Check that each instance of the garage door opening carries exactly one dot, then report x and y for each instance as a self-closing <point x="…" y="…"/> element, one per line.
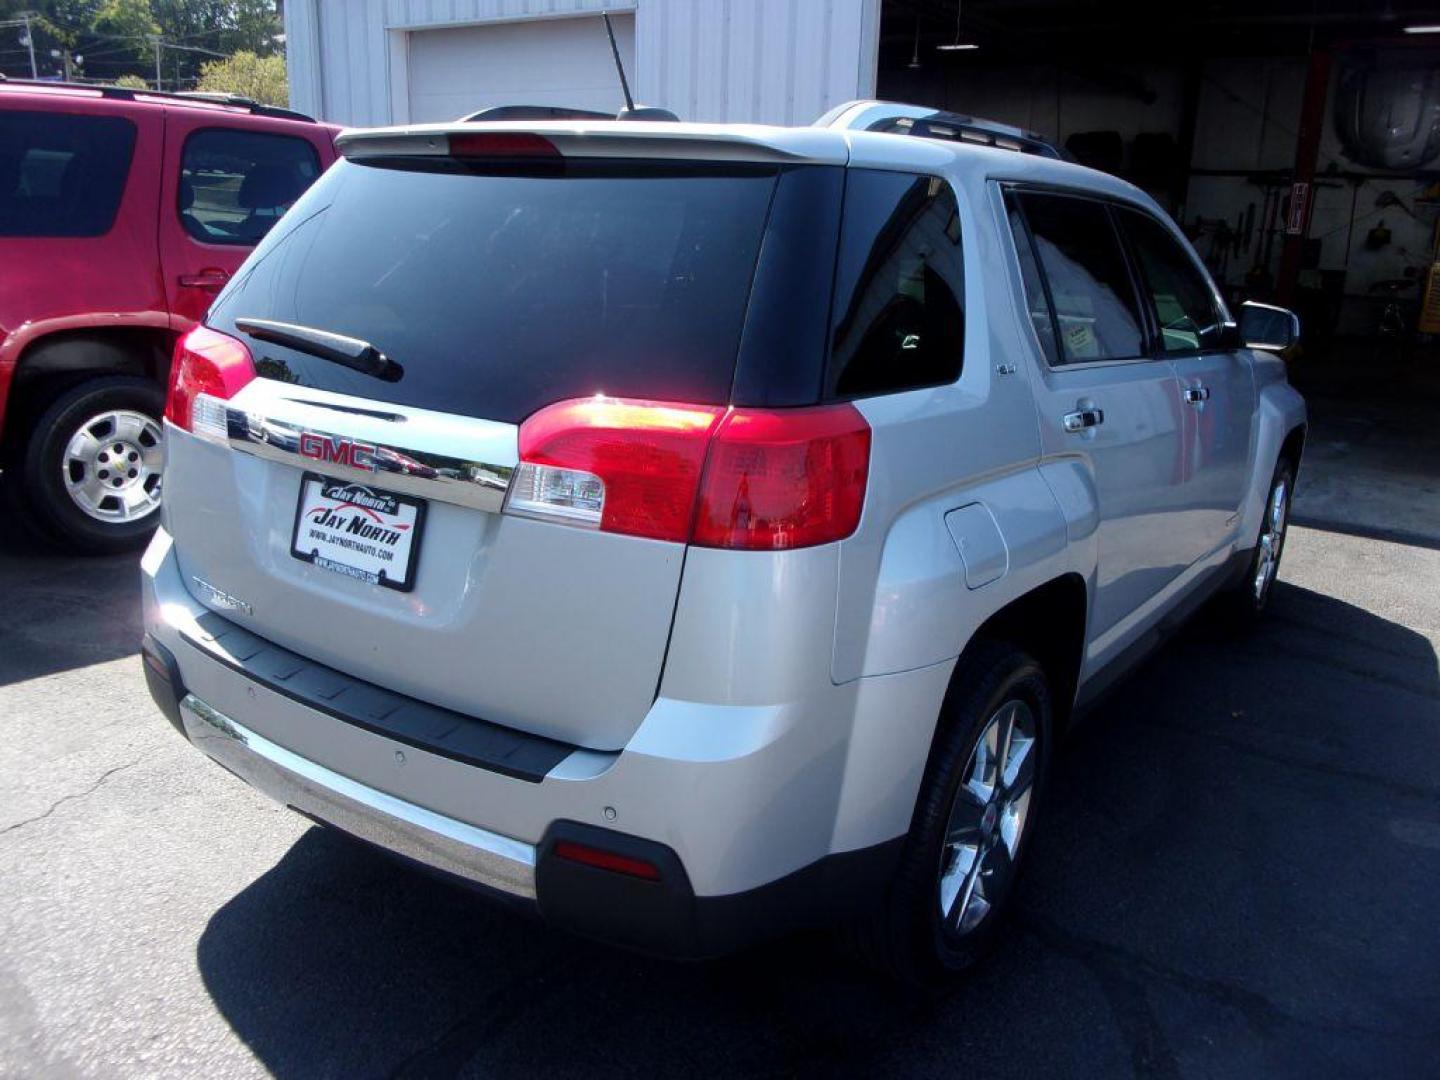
<point x="459" y="70"/>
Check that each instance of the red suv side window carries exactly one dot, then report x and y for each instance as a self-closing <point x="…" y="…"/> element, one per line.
<point x="62" y="175"/>
<point x="234" y="185"/>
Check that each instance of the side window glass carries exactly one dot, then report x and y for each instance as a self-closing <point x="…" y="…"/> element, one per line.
<point x="62" y="175"/>
<point x="1185" y="306"/>
<point x="234" y="185"/>
<point x="1080" y="256"/>
<point x="900" y="286"/>
<point x="1036" y="304"/>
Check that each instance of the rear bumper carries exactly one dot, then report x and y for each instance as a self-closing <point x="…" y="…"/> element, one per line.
<point x="663" y="916"/>
<point x="474" y="855"/>
<point x="735" y="807"/>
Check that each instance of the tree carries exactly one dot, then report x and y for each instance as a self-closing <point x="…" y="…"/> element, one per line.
<point x="116" y="36"/>
<point x="132" y="82"/>
<point x="127" y="22"/>
<point x="261" y="78"/>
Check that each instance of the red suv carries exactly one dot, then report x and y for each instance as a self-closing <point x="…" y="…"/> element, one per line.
<point x="122" y="213"/>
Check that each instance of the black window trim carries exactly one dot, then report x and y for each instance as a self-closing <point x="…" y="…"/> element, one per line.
<point x="180" y="173"/>
<point x="1151" y="330"/>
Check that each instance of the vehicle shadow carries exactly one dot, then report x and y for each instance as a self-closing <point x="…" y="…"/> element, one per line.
<point x="59" y="611"/>
<point x="1204" y="863"/>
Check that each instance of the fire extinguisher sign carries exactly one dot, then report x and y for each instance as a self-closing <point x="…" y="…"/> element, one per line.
<point x="1299" y="208"/>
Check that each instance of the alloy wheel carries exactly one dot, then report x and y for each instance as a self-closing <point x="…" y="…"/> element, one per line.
<point x="1272" y="539"/>
<point x="987" y="819"/>
<point x="112" y="466"/>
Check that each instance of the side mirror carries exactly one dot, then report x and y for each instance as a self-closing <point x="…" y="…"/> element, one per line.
<point x="1264" y="326"/>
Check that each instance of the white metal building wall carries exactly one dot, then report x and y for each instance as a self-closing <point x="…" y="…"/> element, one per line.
<point x="763" y="61"/>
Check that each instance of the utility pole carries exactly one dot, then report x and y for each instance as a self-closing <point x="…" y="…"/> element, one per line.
<point x="161" y="45"/>
<point x="25" y="17"/>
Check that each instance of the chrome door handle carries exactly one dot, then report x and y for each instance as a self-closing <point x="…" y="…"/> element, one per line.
<point x="1082" y="419"/>
<point x="1196" y="394"/>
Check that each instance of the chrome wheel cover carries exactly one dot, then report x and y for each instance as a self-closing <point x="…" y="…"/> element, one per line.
<point x="1272" y="540"/>
<point x="112" y="465"/>
<point x="987" y="819"/>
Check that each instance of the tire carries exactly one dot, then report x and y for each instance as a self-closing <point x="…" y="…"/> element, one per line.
<point x="1245" y="602"/>
<point x="91" y="468"/>
<point x="909" y="937"/>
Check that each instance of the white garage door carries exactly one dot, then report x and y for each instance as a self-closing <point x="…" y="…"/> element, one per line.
<point x="456" y="71"/>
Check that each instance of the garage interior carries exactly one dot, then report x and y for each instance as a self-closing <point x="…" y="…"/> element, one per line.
<point x="1297" y="143"/>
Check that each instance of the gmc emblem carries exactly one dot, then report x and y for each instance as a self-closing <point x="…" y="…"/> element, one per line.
<point x="337" y="450"/>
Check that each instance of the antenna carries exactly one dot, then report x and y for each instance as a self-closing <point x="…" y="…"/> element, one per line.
<point x="615" y="51"/>
<point x="631" y="110"/>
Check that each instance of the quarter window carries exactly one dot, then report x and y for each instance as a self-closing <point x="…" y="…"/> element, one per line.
<point x="234" y="185"/>
<point x="899" y="315"/>
<point x="1185" y="307"/>
<point x="1035" y="303"/>
<point x="62" y="175"/>
<point x="1095" y="308"/>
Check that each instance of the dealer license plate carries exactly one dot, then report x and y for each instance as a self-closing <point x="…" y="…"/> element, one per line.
<point x="358" y="531"/>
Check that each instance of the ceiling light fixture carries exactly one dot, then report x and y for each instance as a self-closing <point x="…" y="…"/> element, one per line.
<point x="1431" y="29"/>
<point x="957" y="45"/>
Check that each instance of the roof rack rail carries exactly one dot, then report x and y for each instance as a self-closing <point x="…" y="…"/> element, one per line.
<point x="125" y="93"/>
<point x="534" y="112"/>
<point x="925" y="122"/>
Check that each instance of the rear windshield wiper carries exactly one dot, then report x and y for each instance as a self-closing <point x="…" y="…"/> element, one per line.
<point x="346" y="351"/>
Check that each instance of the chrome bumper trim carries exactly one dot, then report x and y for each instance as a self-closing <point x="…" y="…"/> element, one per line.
<point x="466" y="851"/>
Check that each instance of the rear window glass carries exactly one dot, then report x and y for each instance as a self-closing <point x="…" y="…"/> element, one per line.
<point x="899" y="286"/>
<point x="234" y="185"/>
<point x="499" y="294"/>
<point x="62" y="175"/>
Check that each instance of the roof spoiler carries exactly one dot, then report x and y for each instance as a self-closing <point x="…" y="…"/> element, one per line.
<point x="922" y="121"/>
<point x="609" y="138"/>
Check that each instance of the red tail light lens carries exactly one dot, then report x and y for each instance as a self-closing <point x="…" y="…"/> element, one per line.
<point x="207" y="365"/>
<point x="622" y="466"/>
<point x="784" y="478"/>
<point x="740" y="478"/>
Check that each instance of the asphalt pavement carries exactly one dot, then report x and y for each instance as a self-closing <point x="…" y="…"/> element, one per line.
<point x="1237" y="874"/>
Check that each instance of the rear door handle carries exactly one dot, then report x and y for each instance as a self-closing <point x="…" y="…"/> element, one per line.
<point x="1082" y="419"/>
<point x="1196" y="394"/>
<point x="212" y="278"/>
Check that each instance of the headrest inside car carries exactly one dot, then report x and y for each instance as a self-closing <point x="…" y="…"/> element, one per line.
<point x="270" y="185"/>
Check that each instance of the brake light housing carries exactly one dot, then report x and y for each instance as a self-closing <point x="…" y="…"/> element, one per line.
<point x="208" y="368"/>
<point x="743" y="479"/>
<point x="784" y="478"/>
<point x="503" y="146"/>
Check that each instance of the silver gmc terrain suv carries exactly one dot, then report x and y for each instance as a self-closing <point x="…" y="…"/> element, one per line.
<point x="694" y="532"/>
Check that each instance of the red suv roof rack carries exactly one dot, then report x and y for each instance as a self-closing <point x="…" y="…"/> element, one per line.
<point x="124" y="93"/>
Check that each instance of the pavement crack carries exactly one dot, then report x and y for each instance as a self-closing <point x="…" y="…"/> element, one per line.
<point x="71" y="797"/>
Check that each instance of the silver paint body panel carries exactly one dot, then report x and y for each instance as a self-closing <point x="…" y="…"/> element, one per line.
<point x="754" y="711"/>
